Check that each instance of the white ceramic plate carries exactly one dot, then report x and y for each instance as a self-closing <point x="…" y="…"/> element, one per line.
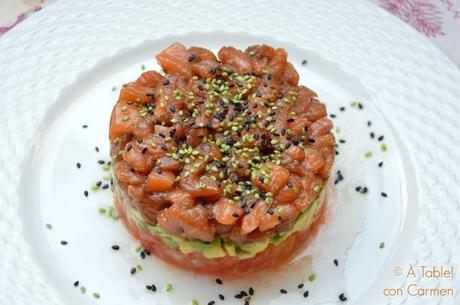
<point x="418" y="221"/>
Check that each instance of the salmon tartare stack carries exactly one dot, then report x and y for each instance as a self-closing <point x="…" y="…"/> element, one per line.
<point x="221" y="161"/>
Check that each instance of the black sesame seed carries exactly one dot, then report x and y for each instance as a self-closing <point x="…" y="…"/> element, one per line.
<point x="211" y="303"/>
<point x="290" y="120"/>
<point x="116" y="247"/>
<point x="142" y="254"/>
<point x="78" y="165"/>
<point x="164" y="147"/>
<point x="270" y="211"/>
<point x="84" y="126"/>
<point x="63" y="242"/>
<point x="148" y="287"/>
<point x="243" y="293"/>
<point x="300" y="286"/>
<point x="384" y="194"/>
<point x="219" y="281"/>
<point x="154" y="288"/>
<point x="247" y="210"/>
<point x="360" y="106"/>
<point x="99" y="183"/>
<point x="289" y="184"/>
<point x="147" y="252"/>
<point x="221" y="296"/>
<point x="158" y="170"/>
<point x="380" y="138"/>
<point x="364" y="190"/>
<point x="165" y="82"/>
<point x="96" y="149"/>
<point x="144" y="150"/>
<point x="342" y="108"/>
<point x="86" y="193"/>
<point x="358" y="188"/>
<point x="369" y="123"/>
<point x="128" y="147"/>
<point x="304" y="62"/>
<point x="236" y="215"/>
<point x="333" y="116"/>
<point x="342" y="141"/>
<point x="342" y="297"/>
<point x="380" y="164"/>
<point x="105" y="186"/>
<point x="76" y="283"/>
<point x="251" y="291"/>
<point x="336" y="262"/>
<point x="283" y="291"/>
<point x="191" y="57"/>
<point x="101" y="162"/>
<point x="311" y="140"/>
<point x="305" y="294"/>
<point x="372" y="135"/>
<point x="133" y="270"/>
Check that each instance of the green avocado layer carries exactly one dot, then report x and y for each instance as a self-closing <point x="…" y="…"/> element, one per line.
<point x="220" y="247"/>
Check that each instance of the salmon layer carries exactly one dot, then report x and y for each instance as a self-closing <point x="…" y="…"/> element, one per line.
<point x="224" y="155"/>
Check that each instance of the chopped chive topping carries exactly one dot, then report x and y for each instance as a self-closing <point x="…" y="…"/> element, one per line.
<point x="368" y="154"/>
<point x="96" y="295"/>
<point x="342" y="297"/>
<point x="195" y="302"/>
<point x="169" y="287"/>
<point x="48" y="226"/>
<point x="102" y="211"/>
<point x="382" y="245"/>
<point x="304" y="62"/>
<point x="383" y="147"/>
<point x="83" y="289"/>
<point x="133" y="270"/>
<point x="312" y="277"/>
<point x="211" y="302"/>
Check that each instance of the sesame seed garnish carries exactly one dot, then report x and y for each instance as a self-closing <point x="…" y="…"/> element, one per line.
<point x="342" y="141"/>
<point x="305" y="294"/>
<point x="380" y="164"/>
<point x="84" y="126"/>
<point x="332" y="115"/>
<point x="304" y="62"/>
<point x="76" y="283"/>
<point x="380" y="138"/>
<point x="283" y="291"/>
<point x="300" y="286"/>
<point x="211" y="302"/>
<point x="86" y="193"/>
<point x="251" y="291"/>
<point x="78" y="165"/>
<point x="116" y="247"/>
<point x="384" y="194"/>
<point x="342" y="109"/>
<point x="221" y="297"/>
<point x="165" y="82"/>
<point x="369" y="123"/>
<point x="219" y="281"/>
<point x="96" y="149"/>
<point x="191" y="57"/>
<point x="372" y="135"/>
<point x="336" y="262"/>
<point x="63" y="242"/>
<point x="360" y="106"/>
<point x="342" y="297"/>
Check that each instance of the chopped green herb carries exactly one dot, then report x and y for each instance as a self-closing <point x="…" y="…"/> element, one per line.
<point x="48" y="226"/>
<point x="382" y="245"/>
<point x="96" y="295"/>
<point x="312" y="277"/>
<point x="169" y="287"/>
